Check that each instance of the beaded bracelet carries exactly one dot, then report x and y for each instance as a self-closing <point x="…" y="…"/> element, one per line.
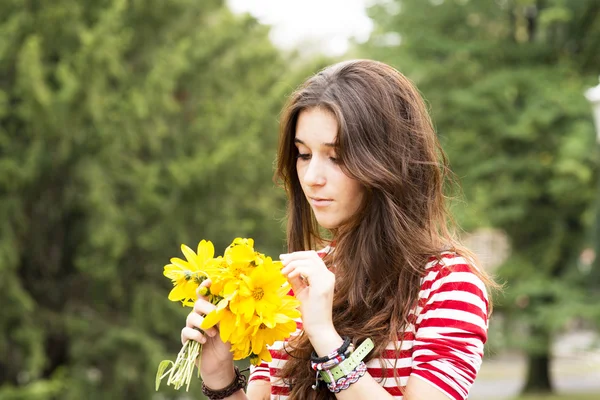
<point x="345" y="382"/>
<point x="341" y="350"/>
<point x="332" y="362"/>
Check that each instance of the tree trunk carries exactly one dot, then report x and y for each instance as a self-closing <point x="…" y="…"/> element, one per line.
<point x="538" y="365"/>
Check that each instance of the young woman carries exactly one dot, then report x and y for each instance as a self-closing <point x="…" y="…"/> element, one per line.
<point x="360" y="163"/>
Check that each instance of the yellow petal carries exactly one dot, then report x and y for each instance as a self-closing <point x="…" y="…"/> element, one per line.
<point x="245" y="291"/>
<point x="227" y="325"/>
<point x="241" y="349"/>
<point x="211" y="319"/>
<point x="189" y="289"/>
<point x="234" y="306"/>
<point x="222" y="304"/>
<point x="245" y="307"/>
<point x="181" y="263"/>
<point x="257" y="343"/>
<point x="191" y="256"/>
<point x="206" y="250"/>
<point x="217" y="285"/>
<point x="172" y="272"/>
<point x="271" y="320"/>
<point x="239" y="254"/>
<point x="177" y="293"/>
<point x="265" y="355"/>
<point x="230" y="289"/>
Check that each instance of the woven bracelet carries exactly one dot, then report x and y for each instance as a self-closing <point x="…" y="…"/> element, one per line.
<point x="239" y="382"/>
<point x="345" y="382"/>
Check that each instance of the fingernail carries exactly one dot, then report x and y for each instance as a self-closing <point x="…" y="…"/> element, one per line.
<point x="282" y="256"/>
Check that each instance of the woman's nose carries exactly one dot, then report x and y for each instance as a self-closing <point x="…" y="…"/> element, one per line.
<point x="315" y="173"/>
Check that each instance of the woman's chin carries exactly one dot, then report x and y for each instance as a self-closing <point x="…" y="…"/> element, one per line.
<point x="327" y="223"/>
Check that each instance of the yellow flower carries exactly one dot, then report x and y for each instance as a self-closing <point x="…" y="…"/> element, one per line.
<point x="240" y="250"/>
<point x="253" y="308"/>
<point x="258" y="292"/>
<point x="241" y="253"/>
<point x="240" y="347"/>
<point x="230" y="327"/>
<point x="282" y="325"/>
<point x="187" y="275"/>
<point x="263" y="336"/>
<point x="239" y="260"/>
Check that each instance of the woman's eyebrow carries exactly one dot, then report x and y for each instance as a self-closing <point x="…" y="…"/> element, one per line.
<point x="296" y="140"/>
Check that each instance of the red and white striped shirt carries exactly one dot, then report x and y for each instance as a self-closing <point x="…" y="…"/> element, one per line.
<point x="444" y="345"/>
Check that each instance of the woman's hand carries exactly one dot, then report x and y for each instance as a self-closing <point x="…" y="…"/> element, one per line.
<point x="216" y="361"/>
<point x="313" y="285"/>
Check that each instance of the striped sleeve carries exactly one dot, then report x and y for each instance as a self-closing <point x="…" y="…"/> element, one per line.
<point x="259" y="372"/>
<point x="451" y="328"/>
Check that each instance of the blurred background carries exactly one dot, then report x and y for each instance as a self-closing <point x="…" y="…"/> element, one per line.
<point x="128" y="127"/>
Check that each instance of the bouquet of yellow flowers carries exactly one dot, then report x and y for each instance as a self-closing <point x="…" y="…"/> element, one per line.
<point x="251" y="295"/>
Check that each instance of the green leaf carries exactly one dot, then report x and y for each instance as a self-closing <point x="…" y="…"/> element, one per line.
<point x="159" y="374"/>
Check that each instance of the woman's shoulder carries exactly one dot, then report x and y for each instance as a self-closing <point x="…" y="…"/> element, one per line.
<point x="450" y="271"/>
<point x="448" y="262"/>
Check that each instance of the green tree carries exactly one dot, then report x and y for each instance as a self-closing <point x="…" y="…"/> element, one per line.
<point x="505" y="82"/>
<point x="126" y="129"/>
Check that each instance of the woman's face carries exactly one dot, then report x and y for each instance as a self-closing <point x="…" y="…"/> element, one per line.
<point x="333" y="195"/>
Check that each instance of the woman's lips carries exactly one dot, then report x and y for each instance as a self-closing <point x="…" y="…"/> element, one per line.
<point x="320" y="202"/>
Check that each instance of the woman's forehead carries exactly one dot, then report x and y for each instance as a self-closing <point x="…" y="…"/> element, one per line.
<point x="316" y="127"/>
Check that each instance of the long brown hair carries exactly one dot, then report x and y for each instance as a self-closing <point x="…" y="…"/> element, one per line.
<point x="385" y="141"/>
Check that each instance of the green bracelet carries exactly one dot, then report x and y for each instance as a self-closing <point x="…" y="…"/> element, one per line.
<point x="350" y="363"/>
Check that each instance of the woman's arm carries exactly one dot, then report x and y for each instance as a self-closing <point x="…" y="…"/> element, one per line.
<point x="217" y="367"/>
<point x="367" y="388"/>
<point x="313" y="285"/>
<point x="256" y="390"/>
<point x="259" y="390"/>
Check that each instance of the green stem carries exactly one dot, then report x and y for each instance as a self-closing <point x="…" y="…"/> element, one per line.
<point x="183" y="368"/>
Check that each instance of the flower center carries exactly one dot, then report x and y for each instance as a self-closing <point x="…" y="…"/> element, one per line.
<point x="258" y="293"/>
<point x="262" y="326"/>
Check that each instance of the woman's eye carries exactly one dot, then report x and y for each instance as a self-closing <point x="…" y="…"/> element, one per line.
<point x="303" y="156"/>
<point x="334" y="160"/>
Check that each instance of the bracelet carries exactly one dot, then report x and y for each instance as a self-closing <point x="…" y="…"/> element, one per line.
<point x="346" y="381"/>
<point x="349" y="364"/>
<point x="332" y="362"/>
<point x="239" y="382"/>
<point x="317" y="360"/>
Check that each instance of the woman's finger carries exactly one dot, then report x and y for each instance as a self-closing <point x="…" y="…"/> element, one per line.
<point x="305" y="272"/>
<point x="194" y="320"/>
<point x="303" y="276"/>
<point x="300" y="280"/>
<point x="298" y="274"/>
<point x="297" y="263"/>
<point x="188" y="333"/>
<point x="203" y="307"/>
<point x="300" y="255"/>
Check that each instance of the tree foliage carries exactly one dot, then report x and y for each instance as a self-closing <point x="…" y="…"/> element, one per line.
<point x="126" y="129"/>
